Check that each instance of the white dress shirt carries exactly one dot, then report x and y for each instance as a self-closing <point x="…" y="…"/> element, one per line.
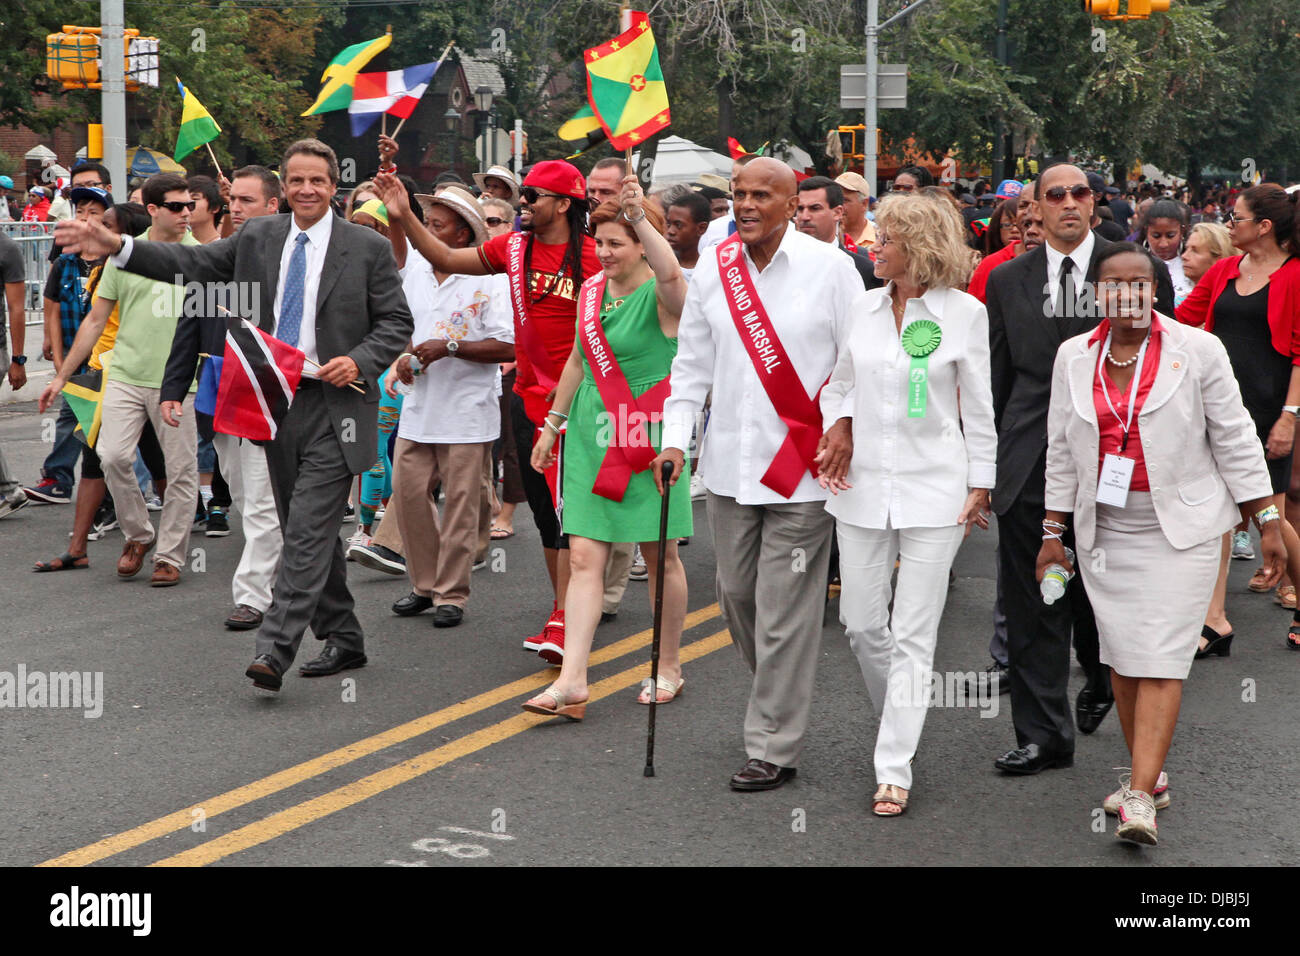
<point x="1081" y="256"/>
<point x="717" y="230"/>
<point x="455" y="401"/>
<point x="812" y="295"/>
<point x="914" y="472"/>
<point x="318" y="240"/>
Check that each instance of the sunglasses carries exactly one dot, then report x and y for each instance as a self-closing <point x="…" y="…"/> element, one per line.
<point x="1231" y="219"/>
<point x="902" y="189"/>
<point x="1056" y="195"/>
<point x="494" y="221"/>
<point x="178" y="206"/>
<point x="530" y="195"/>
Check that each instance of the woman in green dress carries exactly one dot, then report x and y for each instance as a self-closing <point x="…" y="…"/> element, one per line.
<point x="608" y="405"/>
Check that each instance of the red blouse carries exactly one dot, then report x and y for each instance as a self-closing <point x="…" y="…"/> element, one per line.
<point x="1111" y="428"/>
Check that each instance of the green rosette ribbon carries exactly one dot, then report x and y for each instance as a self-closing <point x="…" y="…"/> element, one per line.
<point x="919" y="339"/>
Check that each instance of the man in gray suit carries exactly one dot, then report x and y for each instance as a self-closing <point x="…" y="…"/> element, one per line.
<point x="291" y="268"/>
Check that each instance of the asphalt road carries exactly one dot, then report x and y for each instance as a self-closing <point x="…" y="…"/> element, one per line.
<point x="425" y="758"/>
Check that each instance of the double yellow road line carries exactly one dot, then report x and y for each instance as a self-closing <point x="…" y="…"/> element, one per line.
<point x="299" y="815"/>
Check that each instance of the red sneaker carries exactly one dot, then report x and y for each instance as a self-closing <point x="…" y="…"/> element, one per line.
<point x="552" y="648"/>
<point x="535" y="642"/>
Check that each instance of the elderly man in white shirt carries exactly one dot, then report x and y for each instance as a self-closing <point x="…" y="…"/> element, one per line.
<point x="922" y="467"/>
<point x="765" y="317"/>
<point x="464" y="326"/>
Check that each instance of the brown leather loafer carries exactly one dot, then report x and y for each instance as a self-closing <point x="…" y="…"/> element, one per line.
<point x="164" y="575"/>
<point x="244" y="618"/>
<point x="132" y="559"/>
<point x="761" y="775"/>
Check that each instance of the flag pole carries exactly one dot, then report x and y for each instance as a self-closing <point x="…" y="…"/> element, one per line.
<point x="214" y="160"/>
<point x="435" y="73"/>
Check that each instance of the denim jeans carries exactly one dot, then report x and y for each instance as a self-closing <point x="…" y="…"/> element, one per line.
<point x="62" y="459"/>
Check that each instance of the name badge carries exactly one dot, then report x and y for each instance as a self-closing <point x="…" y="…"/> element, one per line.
<point x="1116" y="476"/>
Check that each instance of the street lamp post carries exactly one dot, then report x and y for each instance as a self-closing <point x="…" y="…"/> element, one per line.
<point x="452" y="119"/>
<point x="483" y="104"/>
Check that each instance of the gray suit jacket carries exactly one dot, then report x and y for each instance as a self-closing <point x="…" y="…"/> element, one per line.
<point x="360" y="309"/>
<point x="1201" y="451"/>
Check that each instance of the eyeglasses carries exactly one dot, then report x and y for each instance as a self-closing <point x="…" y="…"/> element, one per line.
<point x="530" y="195"/>
<point x="1231" y="219"/>
<point x="178" y="206"/>
<point x="1056" y="195"/>
<point x="494" y="221"/>
<point x="94" y="185"/>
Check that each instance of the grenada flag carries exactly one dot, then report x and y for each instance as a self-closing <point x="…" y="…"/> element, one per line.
<point x="626" y="86"/>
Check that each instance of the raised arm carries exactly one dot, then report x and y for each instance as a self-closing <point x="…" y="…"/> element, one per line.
<point x="441" y="256"/>
<point x="670" y="284"/>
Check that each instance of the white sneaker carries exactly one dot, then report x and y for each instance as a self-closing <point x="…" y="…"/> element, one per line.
<point x="1242" y="547"/>
<point x="698" y="490"/>
<point x="13" y="502"/>
<point x="359" y="539"/>
<point x="1159" y="796"/>
<point x="1137" y="818"/>
<point x="638" y="571"/>
<point x="154" y="503"/>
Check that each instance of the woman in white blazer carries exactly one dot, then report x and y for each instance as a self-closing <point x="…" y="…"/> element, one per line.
<point x="922" y="466"/>
<point x="1151" y="457"/>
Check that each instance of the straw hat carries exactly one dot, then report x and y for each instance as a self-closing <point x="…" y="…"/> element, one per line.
<point x="503" y="174"/>
<point x="462" y="202"/>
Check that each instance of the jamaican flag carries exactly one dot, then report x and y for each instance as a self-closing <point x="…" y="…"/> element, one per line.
<point x="84" y="394"/>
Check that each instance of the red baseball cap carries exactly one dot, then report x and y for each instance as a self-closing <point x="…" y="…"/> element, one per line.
<point x="557" y="176"/>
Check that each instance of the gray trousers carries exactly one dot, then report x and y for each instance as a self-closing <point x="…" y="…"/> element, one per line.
<point x="772" y="562"/>
<point x="310" y="480"/>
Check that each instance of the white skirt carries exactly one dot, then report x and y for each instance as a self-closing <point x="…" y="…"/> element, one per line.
<point x="1149" y="598"/>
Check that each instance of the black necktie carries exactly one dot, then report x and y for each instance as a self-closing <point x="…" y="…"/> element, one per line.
<point x="1066" y="307"/>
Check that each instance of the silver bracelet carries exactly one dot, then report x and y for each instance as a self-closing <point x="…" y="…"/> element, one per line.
<point x="547" y="423"/>
<point x="632" y="222"/>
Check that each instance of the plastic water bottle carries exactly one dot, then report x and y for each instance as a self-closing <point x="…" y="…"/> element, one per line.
<point x="1055" y="579"/>
<point x="401" y="388"/>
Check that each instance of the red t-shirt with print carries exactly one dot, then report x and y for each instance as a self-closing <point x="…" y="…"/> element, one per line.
<point x="552" y="303"/>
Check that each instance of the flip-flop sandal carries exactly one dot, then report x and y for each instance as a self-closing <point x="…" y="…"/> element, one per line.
<point x="666" y="685"/>
<point x="574" y="710"/>
<point x="500" y="534"/>
<point x="64" y="562"/>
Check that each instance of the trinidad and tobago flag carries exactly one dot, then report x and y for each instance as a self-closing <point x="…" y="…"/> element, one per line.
<point x="258" y="377"/>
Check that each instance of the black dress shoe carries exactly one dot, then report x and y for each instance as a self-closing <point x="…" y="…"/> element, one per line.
<point x="244" y="618"/>
<point x="447" y="615"/>
<point x="984" y="684"/>
<point x="761" y="775"/>
<point x="332" y="660"/>
<point x="1032" y="759"/>
<point x="411" y="605"/>
<point x="265" y="672"/>
<point x="607" y="616"/>
<point x="1091" y="707"/>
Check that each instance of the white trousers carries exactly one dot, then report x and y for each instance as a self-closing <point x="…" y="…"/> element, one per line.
<point x="243" y="465"/>
<point x="896" y="657"/>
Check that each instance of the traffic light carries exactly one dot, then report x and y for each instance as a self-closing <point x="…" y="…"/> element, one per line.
<point x="1137" y="9"/>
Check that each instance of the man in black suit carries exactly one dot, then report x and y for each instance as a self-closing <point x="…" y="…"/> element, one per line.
<point x="330" y="288"/>
<point x="820" y="214"/>
<point x="1035" y="302"/>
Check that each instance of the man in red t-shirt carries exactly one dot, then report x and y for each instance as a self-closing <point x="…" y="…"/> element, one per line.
<point x="546" y="263"/>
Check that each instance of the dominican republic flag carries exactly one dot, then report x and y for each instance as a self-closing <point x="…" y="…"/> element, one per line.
<point x="259" y="375"/>
<point x="395" y="92"/>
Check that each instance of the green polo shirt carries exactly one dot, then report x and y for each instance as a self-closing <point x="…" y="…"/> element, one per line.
<point x="148" y="311"/>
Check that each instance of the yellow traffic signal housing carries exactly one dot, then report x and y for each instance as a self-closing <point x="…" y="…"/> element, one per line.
<point x="72" y="58"/>
<point x="1109" y="9"/>
<point x="1137" y="9"/>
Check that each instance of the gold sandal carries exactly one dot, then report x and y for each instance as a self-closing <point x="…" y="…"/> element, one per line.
<point x="889" y="793"/>
<point x="1285" y="596"/>
<point x="574" y="710"/>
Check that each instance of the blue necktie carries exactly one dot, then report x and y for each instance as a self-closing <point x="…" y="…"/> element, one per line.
<point x="294" y="284"/>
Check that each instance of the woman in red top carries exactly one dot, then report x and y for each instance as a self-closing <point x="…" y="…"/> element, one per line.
<point x="1252" y="303"/>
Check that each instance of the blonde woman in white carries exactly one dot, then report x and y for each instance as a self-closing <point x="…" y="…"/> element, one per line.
<point x="922" y="466"/>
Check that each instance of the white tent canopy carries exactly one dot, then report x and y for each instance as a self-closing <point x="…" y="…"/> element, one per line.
<point x="681" y="161"/>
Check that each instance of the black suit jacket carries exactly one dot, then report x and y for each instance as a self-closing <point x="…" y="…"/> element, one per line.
<point x="1023" y="341"/>
<point x="361" y="311"/>
<point x="866" y="268"/>
<point x="195" y="333"/>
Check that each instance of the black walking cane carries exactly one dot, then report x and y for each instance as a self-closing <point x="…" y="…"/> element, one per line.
<point x="666" y="474"/>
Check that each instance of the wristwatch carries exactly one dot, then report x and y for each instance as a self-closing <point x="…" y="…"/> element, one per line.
<point x="19" y="360"/>
<point x="453" y="346"/>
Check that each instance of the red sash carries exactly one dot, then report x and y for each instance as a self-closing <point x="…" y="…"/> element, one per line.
<point x="526" y="336"/>
<point x="800" y="413"/>
<point x="630" y="451"/>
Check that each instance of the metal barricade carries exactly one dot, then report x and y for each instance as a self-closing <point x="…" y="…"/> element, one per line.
<point x="35" y="239"/>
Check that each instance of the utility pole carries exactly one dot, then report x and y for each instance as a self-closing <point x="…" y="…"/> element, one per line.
<point x="113" y="74"/>
<point x="873" y="94"/>
<point x="1000" y="150"/>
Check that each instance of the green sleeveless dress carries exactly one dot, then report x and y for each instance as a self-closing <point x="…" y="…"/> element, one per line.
<point x="645" y="355"/>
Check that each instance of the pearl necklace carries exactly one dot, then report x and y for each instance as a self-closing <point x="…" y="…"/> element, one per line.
<point x="1117" y="363"/>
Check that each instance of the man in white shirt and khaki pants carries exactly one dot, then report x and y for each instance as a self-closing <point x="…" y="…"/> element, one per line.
<point x="764" y="319"/>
